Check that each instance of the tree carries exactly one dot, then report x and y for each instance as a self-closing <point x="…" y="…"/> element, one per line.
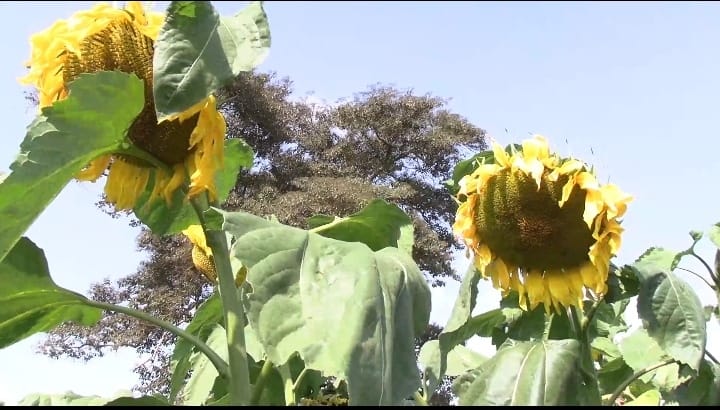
<point x="310" y="159"/>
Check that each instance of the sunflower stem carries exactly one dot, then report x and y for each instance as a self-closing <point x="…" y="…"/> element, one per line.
<point x="214" y="358"/>
<point x="585" y="323"/>
<point x="260" y="382"/>
<point x="587" y="367"/>
<point x="233" y="309"/>
<point x="635" y="376"/>
<point x="288" y="383"/>
<point x="419" y="399"/>
<point x="709" y="269"/>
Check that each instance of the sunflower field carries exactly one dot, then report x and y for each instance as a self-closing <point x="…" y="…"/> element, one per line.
<point x="329" y="315"/>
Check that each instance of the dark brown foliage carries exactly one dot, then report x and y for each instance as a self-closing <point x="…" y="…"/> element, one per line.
<point x="310" y="159"/>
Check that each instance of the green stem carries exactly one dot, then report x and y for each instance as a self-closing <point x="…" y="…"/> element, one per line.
<point x="216" y="360"/>
<point x="587" y="368"/>
<point x="585" y="323"/>
<point x="299" y="379"/>
<point x="711" y="357"/>
<point x="232" y="308"/>
<point x="710" y="271"/>
<point x="288" y="383"/>
<point x="635" y="376"/>
<point x="698" y="276"/>
<point x="260" y="382"/>
<point x="419" y="399"/>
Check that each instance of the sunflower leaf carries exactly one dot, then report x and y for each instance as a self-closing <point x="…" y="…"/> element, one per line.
<point x="714" y="234"/>
<point x="207" y="316"/>
<point x="379" y="225"/>
<point x="30" y="302"/>
<point x="60" y="142"/>
<point x="540" y="373"/>
<point x="639" y="351"/>
<point x="201" y="381"/>
<point x="459" y="360"/>
<point x="197" y="52"/>
<point x="704" y="390"/>
<point x="674" y="317"/>
<point x="348" y="311"/>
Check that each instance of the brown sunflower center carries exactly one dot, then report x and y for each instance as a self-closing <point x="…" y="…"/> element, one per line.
<point x="526" y="227"/>
<point x="122" y="47"/>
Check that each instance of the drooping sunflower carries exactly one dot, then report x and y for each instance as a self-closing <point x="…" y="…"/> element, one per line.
<point x="105" y="38"/>
<point x="540" y="225"/>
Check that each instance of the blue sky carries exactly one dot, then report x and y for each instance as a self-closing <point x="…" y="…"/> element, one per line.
<point x="629" y="87"/>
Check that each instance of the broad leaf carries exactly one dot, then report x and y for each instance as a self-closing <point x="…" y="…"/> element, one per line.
<point x="640" y="351"/>
<point x="138" y="401"/>
<point x="653" y="262"/>
<point x="60" y="142"/>
<point x="197" y="52"/>
<point x="674" y="317"/>
<point x="714" y="234"/>
<point x="540" y="373"/>
<point x="459" y="360"/>
<point x="207" y="316"/>
<point x="612" y="374"/>
<point x="649" y="398"/>
<point x="30" y="302"/>
<point x="704" y="390"/>
<point x="62" y="399"/>
<point x="165" y="219"/>
<point x="245" y="38"/>
<point x="347" y="310"/>
<point x="378" y="225"/>
<point x="198" y="388"/>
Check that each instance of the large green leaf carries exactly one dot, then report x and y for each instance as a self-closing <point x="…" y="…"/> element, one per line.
<point x="30" y="302"/>
<point x="207" y="316"/>
<point x="612" y="374"/>
<point x="378" y="225"/>
<point x="245" y="37"/>
<point x="71" y="399"/>
<point x="347" y="310"/>
<point x="165" y="219"/>
<point x="704" y="390"/>
<point x="674" y="317"/>
<point x="201" y="381"/>
<point x="60" y="142"/>
<point x="640" y="351"/>
<point x="197" y="52"/>
<point x="653" y="262"/>
<point x="539" y="373"/>
<point x="459" y="360"/>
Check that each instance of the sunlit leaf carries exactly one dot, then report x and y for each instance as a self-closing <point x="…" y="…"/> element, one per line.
<point x="207" y="316"/>
<point x="30" y="302"/>
<point x="539" y="373"/>
<point x="378" y="226"/>
<point x="459" y="360"/>
<point x="197" y="52"/>
<point x="60" y="142"/>
<point x="674" y="317"/>
<point x="347" y="310"/>
<point x="198" y="388"/>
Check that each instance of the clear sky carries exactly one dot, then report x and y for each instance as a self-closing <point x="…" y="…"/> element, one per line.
<point x="629" y="87"/>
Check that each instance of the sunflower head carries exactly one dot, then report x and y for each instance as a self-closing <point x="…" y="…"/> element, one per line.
<point x="540" y="225"/>
<point x="187" y="150"/>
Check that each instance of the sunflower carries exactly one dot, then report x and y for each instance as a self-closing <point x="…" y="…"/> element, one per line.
<point x="202" y="255"/>
<point x="105" y="38"/>
<point x="540" y="225"/>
